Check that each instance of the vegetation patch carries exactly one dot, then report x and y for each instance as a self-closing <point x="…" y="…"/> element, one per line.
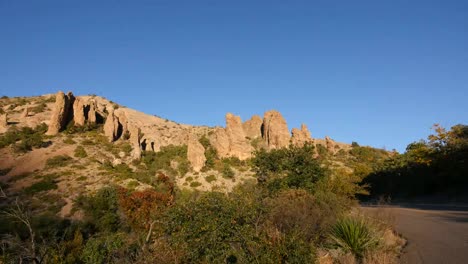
<point x="210" y="178"/>
<point x="195" y="184"/>
<point x="80" y="152"/>
<point x="45" y="185"/>
<point x="24" y="139"/>
<point x="59" y="161"/>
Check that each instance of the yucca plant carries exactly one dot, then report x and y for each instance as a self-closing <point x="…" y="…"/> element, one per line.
<point x="353" y="235"/>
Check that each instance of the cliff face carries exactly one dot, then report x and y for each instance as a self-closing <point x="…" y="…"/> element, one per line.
<point x="149" y="133"/>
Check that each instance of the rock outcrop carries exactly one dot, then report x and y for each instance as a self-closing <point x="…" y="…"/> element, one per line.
<point x="220" y="142"/>
<point x="79" y="112"/>
<point x="25" y="112"/>
<point x="238" y="145"/>
<point x="3" y="123"/>
<point x="195" y="153"/>
<point x="301" y="136"/>
<point x="62" y="112"/>
<point x="330" y="144"/>
<point x="275" y="130"/>
<point x="112" y="127"/>
<point x="135" y="141"/>
<point x="92" y="112"/>
<point x="253" y="127"/>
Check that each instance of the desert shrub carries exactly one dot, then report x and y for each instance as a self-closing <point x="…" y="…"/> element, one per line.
<point x="210" y="178"/>
<point x="58" y="161"/>
<point x="44" y="185"/>
<point x="161" y="161"/>
<point x="80" y="152"/>
<point x="69" y="141"/>
<point x="24" y="139"/>
<point x="353" y="235"/>
<point x="301" y="213"/>
<point x="195" y="184"/>
<point x="101" y="209"/>
<point x="292" y="167"/>
<point x="225" y="226"/>
<point x="39" y="108"/>
<point x="143" y="207"/>
<point x="227" y="171"/>
<point x="81" y="178"/>
<point x="102" y="249"/>
<point x="126" y="147"/>
<point x="87" y="127"/>
<point x="189" y="179"/>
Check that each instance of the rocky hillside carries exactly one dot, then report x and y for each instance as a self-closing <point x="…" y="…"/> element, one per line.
<point x="62" y="146"/>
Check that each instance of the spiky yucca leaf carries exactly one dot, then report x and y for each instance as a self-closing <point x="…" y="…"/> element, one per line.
<point x="353" y="235"/>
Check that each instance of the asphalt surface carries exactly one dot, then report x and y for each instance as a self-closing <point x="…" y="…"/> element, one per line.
<point x="435" y="233"/>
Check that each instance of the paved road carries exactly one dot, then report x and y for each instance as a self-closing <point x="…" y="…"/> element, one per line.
<point x="435" y="234"/>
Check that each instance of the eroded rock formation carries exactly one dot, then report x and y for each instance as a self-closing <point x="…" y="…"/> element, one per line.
<point x="238" y="145"/>
<point x="301" y="136"/>
<point x="195" y="153"/>
<point x="61" y="113"/>
<point x="220" y="142"/>
<point x="275" y="130"/>
<point x="112" y="127"/>
<point x="3" y="123"/>
<point x="253" y="127"/>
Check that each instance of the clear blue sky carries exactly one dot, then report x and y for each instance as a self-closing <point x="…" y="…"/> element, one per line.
<point x="376" y="72"/>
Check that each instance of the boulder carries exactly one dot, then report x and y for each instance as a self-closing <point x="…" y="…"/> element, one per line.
<point x="301" y="136"/>
<point x="330" y="144"/>
<point x="195" y="153"/>
<point x="25" y="112"/>
<point x="238" y="145"/>
<point x="135" y="141"/>
<point x="253" y="127"/>
<point x="61" y="113"/>
<point x="79" y="112"/>
<point x="220" y="142"/>
<point x="112" y="127"/>
<point x="92" y="112"/>
<point x="275" y="130"/>
<point x="3" y="123"/>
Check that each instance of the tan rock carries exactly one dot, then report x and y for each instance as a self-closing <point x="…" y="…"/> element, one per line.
<point x="111" y="126"/>
<point x="135" y="141"/>
<point x="330" y="144"/>
<point x="61" y="113"/>
<point x="25" y="112"/>
<point x="79" y="112"/>
<point x="275" y="130"/>
<point x="220" y="142"/>
<point x="253" y="127"/>
<point x="195" y="153"/>
<point x="301" y="136"/>
<point x="92" y="112"/>
<point x="238" y="145"/>
<point x="123" y="121"/>
<point x="3" y="123"/>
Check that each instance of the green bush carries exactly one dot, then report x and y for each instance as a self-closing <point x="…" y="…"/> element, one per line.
<point x="80" y="152"/>
<point x="59" y="161"/>
<point x="210" y="178"/>
<point x="292" y="167"/>
<point x="161" y="161"/>
<point x="353" y="235"/>
<point x="195" y="184"/>
<point x="44" y="185"/>
<point x="228" y="172"/>
<point x="24" y="139"/>
<point x="69" y="141"/>
<point x="101" y="209"/>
